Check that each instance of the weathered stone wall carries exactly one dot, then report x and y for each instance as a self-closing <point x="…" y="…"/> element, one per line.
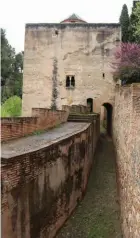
<point x="41" y="189"/>
<point x="126" y="133"/>
<point x="53" y="51"/>
<point x="76" y="108"/>
<point x="42" y="119"/>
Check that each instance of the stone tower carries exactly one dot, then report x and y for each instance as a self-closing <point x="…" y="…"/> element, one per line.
<point x="68" y="63"/>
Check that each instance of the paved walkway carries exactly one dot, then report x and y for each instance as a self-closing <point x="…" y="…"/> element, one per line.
<point x="97" y="216"/>
<point x="35" y="142"/>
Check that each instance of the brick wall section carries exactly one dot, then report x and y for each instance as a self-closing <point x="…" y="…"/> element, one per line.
<point x="126" y="133"/>
<point x="41" y="189"/>
<point x="76" y="108"/>
<point x="42" y="119"/>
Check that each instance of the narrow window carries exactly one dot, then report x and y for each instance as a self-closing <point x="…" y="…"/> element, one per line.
<point x="67" y="81"/>
<point x="56" y="32"/>
<point x="73" y="81"/>
<point x="102" y="50"/>
<point x="107" y="51"/>
<point x="103" y="75"/>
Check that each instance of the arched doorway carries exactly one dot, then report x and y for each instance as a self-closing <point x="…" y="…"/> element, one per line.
<point x="90" y="104"/>
<point x="108" y="117"/>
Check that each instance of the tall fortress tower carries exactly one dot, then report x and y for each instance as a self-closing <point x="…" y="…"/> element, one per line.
<point x="68" y="63"/>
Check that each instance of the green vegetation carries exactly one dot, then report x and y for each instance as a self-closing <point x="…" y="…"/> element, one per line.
<point x="126" y="64"/>
<point x="97" y="215"/>
<point x="38" y="132"/>
<point x="124" y="22"/>
<point x="102" y="129"/>
<point x="134" y="34"/>
<point x="11" y="70"/>
<point x="130" y="25"/>
<point x="11" y="107"/>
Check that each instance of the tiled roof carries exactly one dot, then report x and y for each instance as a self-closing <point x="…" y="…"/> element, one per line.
<point x="73" y="18"/>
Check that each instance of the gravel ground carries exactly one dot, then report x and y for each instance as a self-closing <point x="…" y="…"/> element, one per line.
<point x="97" y="216"/>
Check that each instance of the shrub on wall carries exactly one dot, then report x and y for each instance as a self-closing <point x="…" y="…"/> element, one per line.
<point x="11" y="107"/>
<point x="126" y="63"/>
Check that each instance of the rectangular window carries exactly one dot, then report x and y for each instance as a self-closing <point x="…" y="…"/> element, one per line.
<point x="70" y="81"/>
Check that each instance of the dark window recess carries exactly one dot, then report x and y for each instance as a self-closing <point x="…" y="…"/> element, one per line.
<point x="103" y="75"/>
<point x="102" y="50"/>
<point x="56" y="32"/>
<point x="67" y="81"/>
<point x="73" y="81"/>
<point x="117" y="39"/>
<point x="70" y="81"/>
<point x="107" y="51"/>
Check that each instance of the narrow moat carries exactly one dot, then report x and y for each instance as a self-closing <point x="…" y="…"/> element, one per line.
<point x="98" y="215"/>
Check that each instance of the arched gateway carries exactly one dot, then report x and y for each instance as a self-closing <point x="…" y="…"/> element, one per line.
<point x="109" y="110"/>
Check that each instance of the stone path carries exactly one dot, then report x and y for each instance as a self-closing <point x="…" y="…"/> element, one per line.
<point x="97" y="216"/>
<point x="36" y="142"/>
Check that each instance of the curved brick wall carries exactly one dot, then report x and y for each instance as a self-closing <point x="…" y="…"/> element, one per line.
<point x="40" y="189"/>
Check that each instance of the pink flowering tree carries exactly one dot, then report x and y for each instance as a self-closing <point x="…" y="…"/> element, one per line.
<point x="126" y="63"/>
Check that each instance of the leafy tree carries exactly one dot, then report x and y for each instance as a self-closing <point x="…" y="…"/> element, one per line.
<point x="7" y="58"/>
<point x="11" y="69"/>
<point x="137" y="14"/>
<point x="11" y="107"/>
<point x="126" y="64"/>
<point x="135" y="24"/>
<point x="124" y="22"/>
<point x="18" y="64"/>
<point x="18" y="74"/>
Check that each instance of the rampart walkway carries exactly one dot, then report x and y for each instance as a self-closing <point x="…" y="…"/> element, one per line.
<point x="36" y="142"/>
<point x="97" y="216"/>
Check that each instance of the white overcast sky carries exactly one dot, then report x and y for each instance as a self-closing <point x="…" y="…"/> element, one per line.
<point x="16" y="13"/>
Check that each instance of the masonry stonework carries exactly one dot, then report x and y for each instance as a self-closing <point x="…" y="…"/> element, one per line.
<point x="41" y="188"/>
<point x="42" y="119"/>
<point x="53" y="51"/>
<point x="126" y="135"/>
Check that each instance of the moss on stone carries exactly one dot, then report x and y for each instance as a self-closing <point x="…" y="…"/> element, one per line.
<point x="97" y="216"/>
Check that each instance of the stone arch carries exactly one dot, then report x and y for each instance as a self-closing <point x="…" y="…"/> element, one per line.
<point x="109" y="112"/>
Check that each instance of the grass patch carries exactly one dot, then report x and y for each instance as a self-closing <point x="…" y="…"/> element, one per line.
<point x="39" y="132"/>
<point x="102" y="129"/>
<point x="86" y="114"/>
<point x="97" y="216"/>
<point x="103" y="226"/>
<point x="11" y="107"/>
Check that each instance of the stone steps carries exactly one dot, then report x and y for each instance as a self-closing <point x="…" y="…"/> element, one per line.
<point x="81" y="118"/>
<point x="78" y="120"/>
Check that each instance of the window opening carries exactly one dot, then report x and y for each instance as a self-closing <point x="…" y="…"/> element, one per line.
<point x="67" y="81"/>
<point x="73" y="81"/>
<point x="70" y="81"/>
